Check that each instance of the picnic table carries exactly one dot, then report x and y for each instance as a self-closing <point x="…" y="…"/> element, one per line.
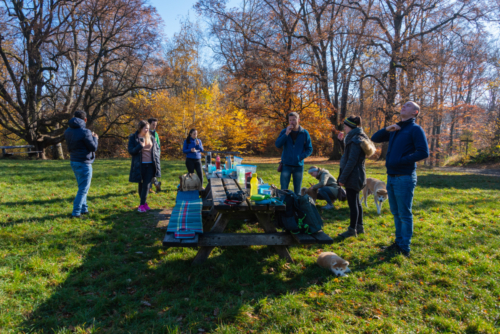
<point x="9" y="154"/>
<point x="216" y="215"/>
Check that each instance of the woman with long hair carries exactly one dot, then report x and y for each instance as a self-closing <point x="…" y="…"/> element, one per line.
<point x="192" y="148"/>
<point x="352" y="174"/>
<point x="145" y="153"/>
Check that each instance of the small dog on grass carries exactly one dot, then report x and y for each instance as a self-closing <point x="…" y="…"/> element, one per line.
<point x="313" y="193"/>
<point x="378" y="190"/>
<point x="333" y="262"/>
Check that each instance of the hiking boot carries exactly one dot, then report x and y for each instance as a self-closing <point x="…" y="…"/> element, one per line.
<point x="392" y="248"/>
<point x="141" y="208"/>
<point x="349" y="233"/>
<point x="84" y="213"/>
<point x="78" y="217"/>
<point x="360" y="229"/>
<point x="146" y="206"/>
<point x="402" y="252"/>
<point x="328" y="207"/>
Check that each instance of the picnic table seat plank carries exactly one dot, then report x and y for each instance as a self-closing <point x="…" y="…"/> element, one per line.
<point x="310" y="239"/>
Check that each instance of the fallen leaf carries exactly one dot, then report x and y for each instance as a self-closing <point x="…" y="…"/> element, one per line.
<point x="145" y="303"/>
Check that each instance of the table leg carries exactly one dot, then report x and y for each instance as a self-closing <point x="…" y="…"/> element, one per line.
<point x="218" y="227"/>
<point x="268" y="226"/>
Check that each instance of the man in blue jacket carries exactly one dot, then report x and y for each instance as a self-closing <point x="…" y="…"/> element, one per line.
<point x="297" y="146"/>
<point x="407" y="145"/>
<point x="82" y="145"/>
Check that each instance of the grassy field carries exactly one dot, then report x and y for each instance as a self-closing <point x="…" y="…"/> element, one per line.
<point x="110" y="273"/>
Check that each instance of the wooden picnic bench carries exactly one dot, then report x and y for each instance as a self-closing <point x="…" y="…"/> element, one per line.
<point x="217" y="214"/>
<point x="9" y="154"/>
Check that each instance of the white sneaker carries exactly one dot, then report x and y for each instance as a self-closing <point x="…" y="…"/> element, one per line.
<point x="328" y="207"/>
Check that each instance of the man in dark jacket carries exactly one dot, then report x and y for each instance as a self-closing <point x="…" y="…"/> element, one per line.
<point x="407" y="145"/>
<point x="82" y="145"/>
<point x="297" y="146"/>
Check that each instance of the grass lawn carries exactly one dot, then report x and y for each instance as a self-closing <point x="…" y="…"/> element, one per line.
<point x="110" y="273"/>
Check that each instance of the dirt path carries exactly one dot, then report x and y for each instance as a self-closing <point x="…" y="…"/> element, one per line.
<point x="469" y="170"/>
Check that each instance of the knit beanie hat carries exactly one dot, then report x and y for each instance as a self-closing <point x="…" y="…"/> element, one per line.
<point x="353" y="121"/>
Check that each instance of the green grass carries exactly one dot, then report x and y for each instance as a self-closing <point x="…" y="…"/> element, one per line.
<point x="110" y="273"/>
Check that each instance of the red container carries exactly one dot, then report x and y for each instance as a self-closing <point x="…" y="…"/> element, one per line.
<point x="217" y="162"/>
<point x="248" y="177"/>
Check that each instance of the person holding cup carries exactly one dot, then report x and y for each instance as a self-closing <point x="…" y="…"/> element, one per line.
<point x="145" y="153"/>
<point x="192" y="148"/>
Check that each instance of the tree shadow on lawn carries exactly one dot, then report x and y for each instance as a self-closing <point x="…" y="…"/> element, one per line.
<point x="465" y="181"/>
<point x="129" y="282"/>
<point x="91" y="199"/>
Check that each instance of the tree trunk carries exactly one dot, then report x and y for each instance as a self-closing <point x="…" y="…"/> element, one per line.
<point x="58" y="152"/>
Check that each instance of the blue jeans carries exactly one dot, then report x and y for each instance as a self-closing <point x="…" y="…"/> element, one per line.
<point x="400" y="189"/>
<point x="326" y="194"/>
<point x="286" y="174"/>
<point x="83" y="174"/>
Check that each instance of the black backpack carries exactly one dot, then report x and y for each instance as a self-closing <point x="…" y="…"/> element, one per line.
<point x="300" y="216"/>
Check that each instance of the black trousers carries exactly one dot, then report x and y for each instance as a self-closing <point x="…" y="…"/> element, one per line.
<point x="355" y="208"/>
<point x="147" y="173"/>
<point x="195" y="164"/>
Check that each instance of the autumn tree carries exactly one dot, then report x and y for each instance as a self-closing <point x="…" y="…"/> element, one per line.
<point x="60" y="56"/>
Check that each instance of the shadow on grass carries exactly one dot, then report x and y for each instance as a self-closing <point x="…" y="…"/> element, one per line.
<point x="54" y="201"/>
<point x="465" y="181"/>
<point x="129" y="282"/>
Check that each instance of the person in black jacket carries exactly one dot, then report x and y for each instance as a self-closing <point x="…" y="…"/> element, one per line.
<point x="145" y="153"/>
<point x="82" y="145"/>
<point x="352" y="173"/>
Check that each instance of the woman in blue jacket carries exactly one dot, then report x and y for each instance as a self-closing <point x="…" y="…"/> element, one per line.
<point x="193" y="148"/>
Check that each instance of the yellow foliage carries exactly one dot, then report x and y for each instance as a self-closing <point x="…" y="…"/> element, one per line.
<point x="220" y="125"/>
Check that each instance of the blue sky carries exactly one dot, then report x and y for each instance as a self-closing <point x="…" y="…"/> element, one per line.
<point x="172" y="11"/>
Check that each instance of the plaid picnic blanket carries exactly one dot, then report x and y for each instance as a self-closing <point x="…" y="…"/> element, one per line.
<point x="185" y="220"/>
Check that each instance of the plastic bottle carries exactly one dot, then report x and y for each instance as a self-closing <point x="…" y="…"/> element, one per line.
<point x="217" y="162"/>
<point x="254" y="185"/>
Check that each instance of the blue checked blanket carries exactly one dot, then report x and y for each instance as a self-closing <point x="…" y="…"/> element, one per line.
<point x="185" y="220"/>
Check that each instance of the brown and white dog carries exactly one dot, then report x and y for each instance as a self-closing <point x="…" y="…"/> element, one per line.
<point x="313" y="193"/>
<point x="333" y="262"/>
<point x="377" y="189"/>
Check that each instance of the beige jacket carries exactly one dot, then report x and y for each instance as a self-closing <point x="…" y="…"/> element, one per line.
<point x="326" y="180"/>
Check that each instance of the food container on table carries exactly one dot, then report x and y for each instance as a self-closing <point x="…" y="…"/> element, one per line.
<point x="266" y="191"/>
<point x="240" y="171"/>
<point x="227" y="172"/>
<point x="264" y="187"/>
<point x="250" y="168"/>
<point x="237" y="161"/>
<point x="211" y="168"/>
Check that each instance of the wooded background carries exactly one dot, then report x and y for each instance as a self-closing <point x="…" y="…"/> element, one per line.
<point x="235" y="73"/>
